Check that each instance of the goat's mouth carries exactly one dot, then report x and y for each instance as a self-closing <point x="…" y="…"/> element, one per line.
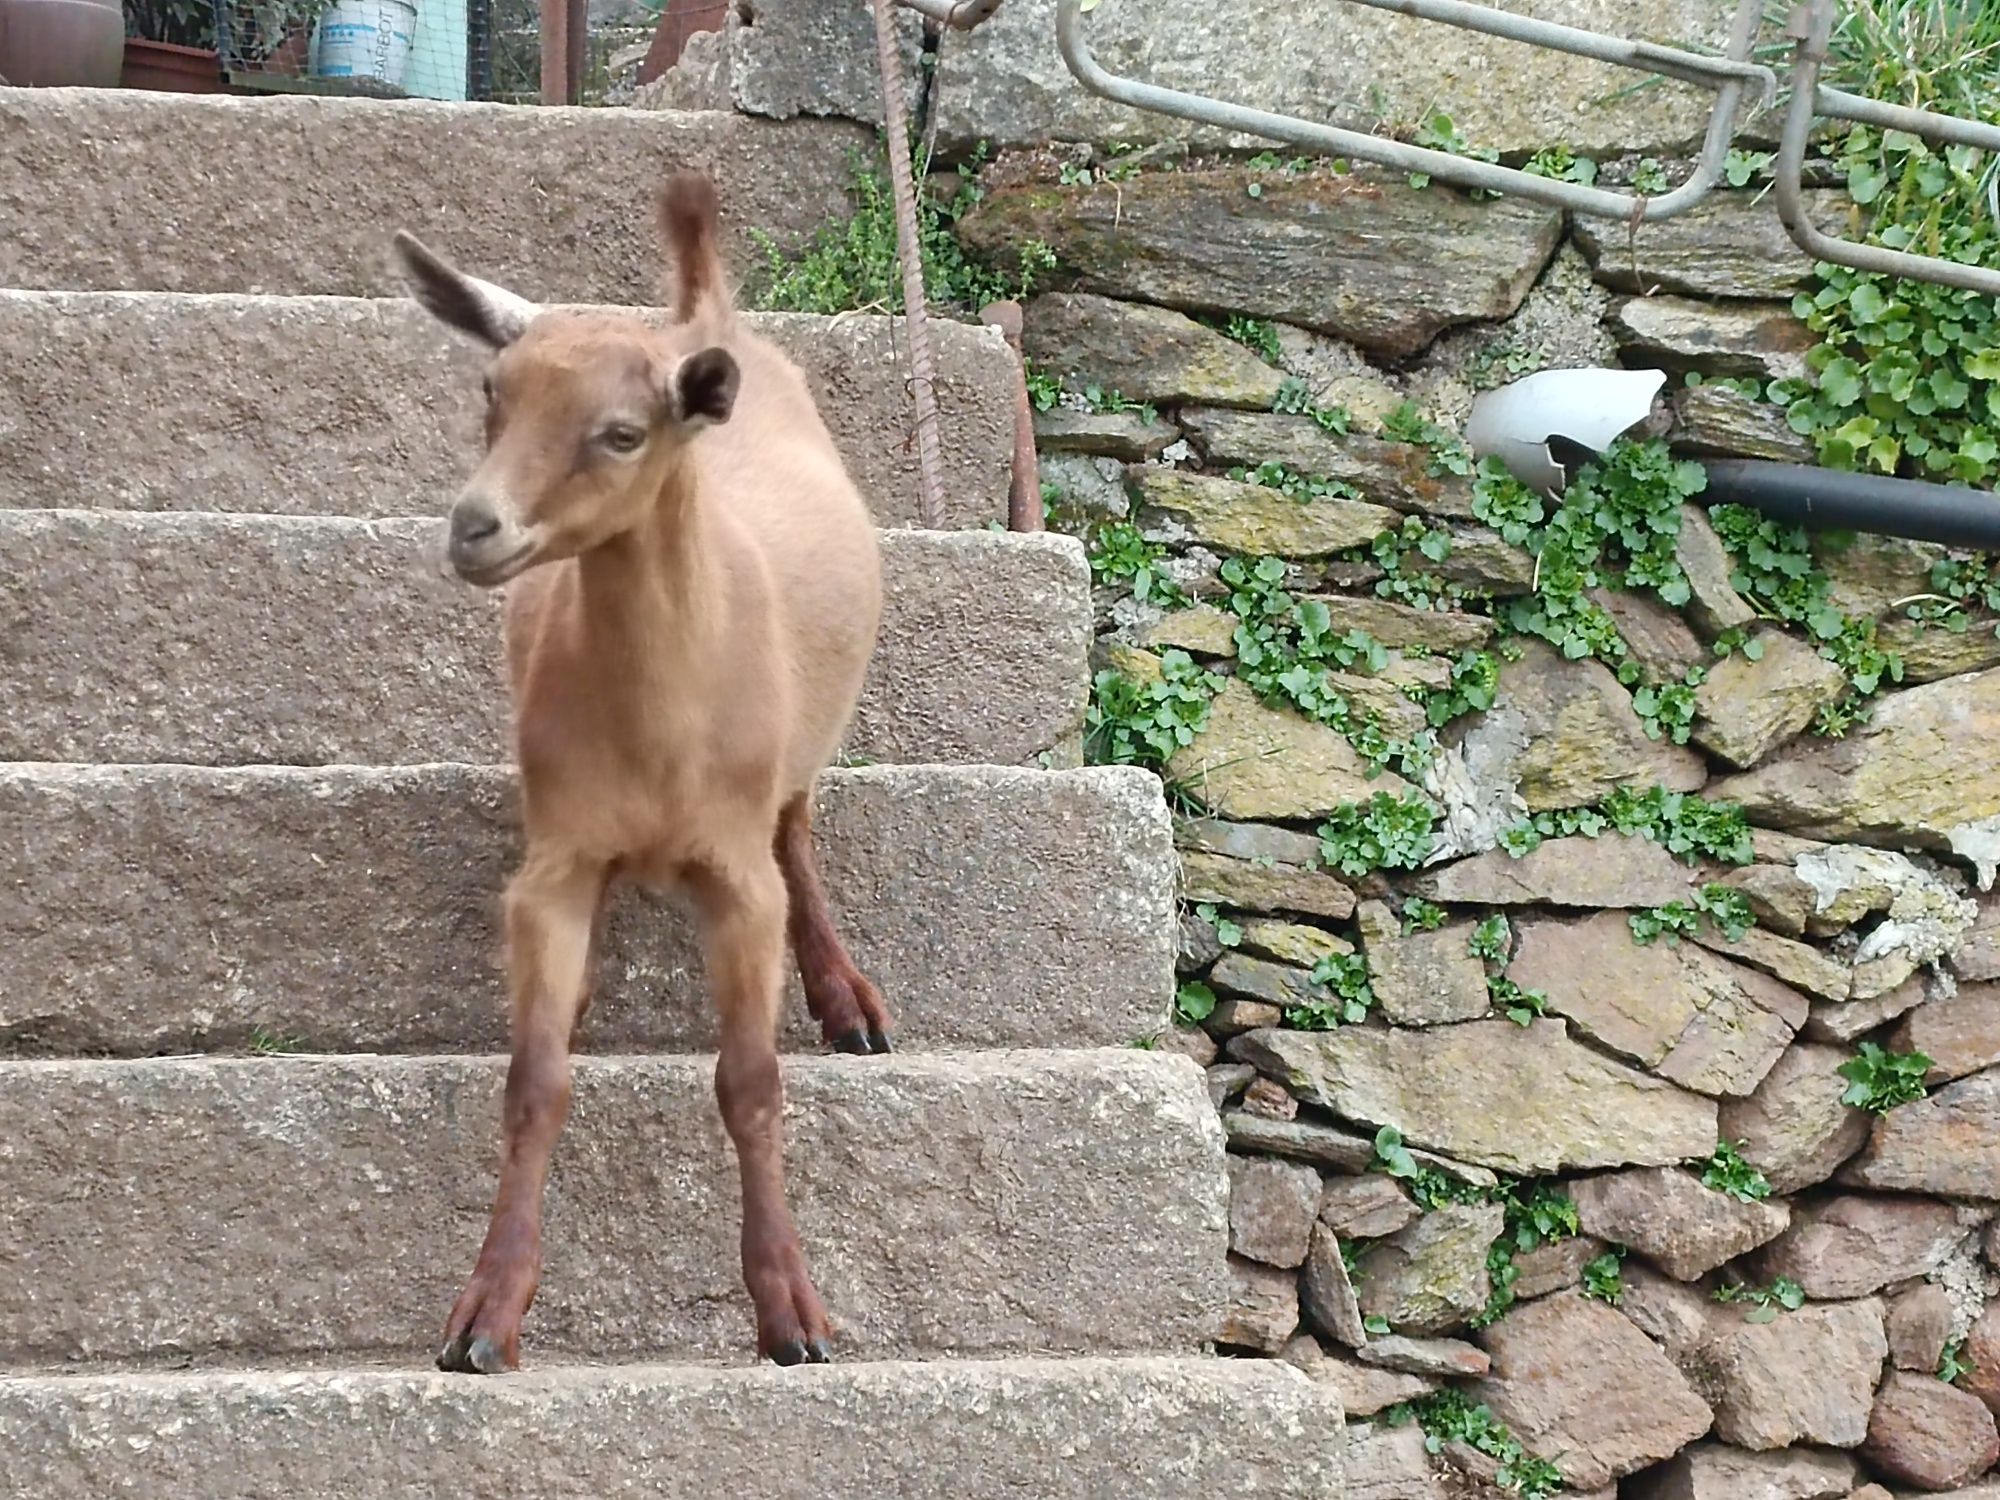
<point x="488" y="575"/>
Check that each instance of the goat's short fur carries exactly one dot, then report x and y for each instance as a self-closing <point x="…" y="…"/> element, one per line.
<point x="695" y="594"/>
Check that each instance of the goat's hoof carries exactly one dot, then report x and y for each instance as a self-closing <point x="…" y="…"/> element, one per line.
<point x="466" y="1355"/>
<point x="862" y="1043"/>
<point x="802" y="1352"/>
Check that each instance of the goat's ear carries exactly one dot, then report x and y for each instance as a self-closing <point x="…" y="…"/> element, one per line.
<point x="489" y="313"/>
<point x="705" y="385"/>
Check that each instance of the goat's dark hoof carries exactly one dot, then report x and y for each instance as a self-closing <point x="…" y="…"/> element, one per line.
<point x="466" y="1355"/>
<point x="864" y="1043"/>
<point x="802" y="1352"/>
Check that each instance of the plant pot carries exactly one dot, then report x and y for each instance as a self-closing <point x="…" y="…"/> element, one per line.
<point x="365" y="39"/>
<point x="169" y="69"/>
<point x="58" y="43"/>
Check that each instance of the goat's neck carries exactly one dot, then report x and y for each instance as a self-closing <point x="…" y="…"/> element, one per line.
<point x="652" y="602"/>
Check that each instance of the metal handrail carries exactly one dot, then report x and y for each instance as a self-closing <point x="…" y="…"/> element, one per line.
<point x="1727" y="75"/>
<point x="1811" y="30"/>
<point x="959" y="15"/>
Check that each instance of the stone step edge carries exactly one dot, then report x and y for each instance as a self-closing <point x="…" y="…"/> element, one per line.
<point x="981" y="656"/>
<point x="1069" y="1429"/>
<point x="1023" y="1170"/>
<point x="959" y="890"/>
<point x="378" y="411"/>
<point x="222" y="1372"/>
<point x="999" y="1061"/>
<point x="984" y="336"/>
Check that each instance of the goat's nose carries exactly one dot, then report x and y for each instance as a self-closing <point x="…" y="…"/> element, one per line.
<point x="472" y="523"/>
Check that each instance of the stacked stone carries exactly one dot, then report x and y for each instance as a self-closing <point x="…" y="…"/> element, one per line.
<point x="1870" y="854"/>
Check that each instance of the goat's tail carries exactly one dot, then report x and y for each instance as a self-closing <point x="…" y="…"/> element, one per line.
<point x="688" y="222"/>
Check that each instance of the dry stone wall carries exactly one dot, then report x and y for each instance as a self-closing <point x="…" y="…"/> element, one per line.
<point x="1607" y="1035"/>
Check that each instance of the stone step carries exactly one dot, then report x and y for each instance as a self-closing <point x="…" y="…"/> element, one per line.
<point x="193" y="637"/>
<point x="174" y="908"/>
<point x="352" y="406"/>
<point x="1080" y="1429"/>
<point x="251" y="1209"/>
<point x="206" y="193"/>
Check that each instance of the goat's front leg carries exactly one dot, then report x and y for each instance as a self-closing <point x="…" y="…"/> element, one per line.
<point x="552" y="905"/>
<point x="743" y="939"/>
<point x="849" y="1009"/>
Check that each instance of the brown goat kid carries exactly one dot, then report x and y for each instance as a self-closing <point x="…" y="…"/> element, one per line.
<point x="684" y="660"/>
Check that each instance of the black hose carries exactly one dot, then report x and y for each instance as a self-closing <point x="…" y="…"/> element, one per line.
<point x="1832" y="500"/>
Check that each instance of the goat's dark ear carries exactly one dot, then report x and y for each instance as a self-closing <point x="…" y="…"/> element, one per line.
<point x="706" y="385"/>
<point x="489" y="313"/>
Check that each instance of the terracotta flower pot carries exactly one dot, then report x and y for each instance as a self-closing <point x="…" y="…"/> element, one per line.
<point x="53" y="43"/>
<point x="170" y="69"/>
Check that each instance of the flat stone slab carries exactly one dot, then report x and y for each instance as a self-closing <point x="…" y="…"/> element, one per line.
<point x="1520" y="1099"/>
<point x="556" y="204"/>
<point x="285" y="1206"/>
<point x="1365" y="258"/>
<point x="347" y="406"/>
<point x="184" y="908"/>
<point x="1080" y="1429"/>
<point x="1732" y="244"/>
<point x="217" y="639"/>
<point x="1924" y="770"/>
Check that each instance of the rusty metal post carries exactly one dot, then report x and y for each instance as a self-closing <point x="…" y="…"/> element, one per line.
<point x="1024" y="494"/>
<point x="564" y="24"/>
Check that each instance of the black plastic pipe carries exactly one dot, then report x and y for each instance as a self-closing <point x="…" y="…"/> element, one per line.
<point x="1832" y="500"/>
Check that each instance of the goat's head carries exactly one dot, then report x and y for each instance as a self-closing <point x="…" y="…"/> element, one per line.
<point x="587" y="416"/>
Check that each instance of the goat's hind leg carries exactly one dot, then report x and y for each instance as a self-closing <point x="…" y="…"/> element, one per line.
<point x="552" y="908"/>
<point x="851" y="1014"/>
<point x="743" y="940"/>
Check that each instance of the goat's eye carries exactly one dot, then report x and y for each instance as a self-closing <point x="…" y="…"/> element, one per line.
<point x="623" y="439"/>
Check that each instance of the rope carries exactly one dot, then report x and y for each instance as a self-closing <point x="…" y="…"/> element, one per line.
<point x="923" y="380"/>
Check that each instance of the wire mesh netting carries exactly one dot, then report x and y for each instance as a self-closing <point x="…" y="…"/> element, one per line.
<point x="429" y="49"/>
<point x="440" y="49"/>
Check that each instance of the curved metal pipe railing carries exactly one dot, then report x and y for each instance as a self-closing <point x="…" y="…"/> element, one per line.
<point x="1727" y="75"/>
<point x="1810" y="27"/>
<point x="1811" y="30"/>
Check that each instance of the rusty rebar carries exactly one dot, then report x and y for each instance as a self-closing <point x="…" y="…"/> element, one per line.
<point x="923" y="376"/>
<point x="1024" y="494"/>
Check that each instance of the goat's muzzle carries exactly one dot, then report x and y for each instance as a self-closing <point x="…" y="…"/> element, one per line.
<point x="483" y="544"/>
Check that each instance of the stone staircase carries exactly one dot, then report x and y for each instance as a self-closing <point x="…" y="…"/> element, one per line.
<point x="250" y="801"/>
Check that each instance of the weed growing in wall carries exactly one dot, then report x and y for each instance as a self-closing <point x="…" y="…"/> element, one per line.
<point x="1132" y="722"/>
<point x="1776" y="571"/>
<point x="1616" y="526"/>
<point x="1727" y="1172"/>
<point x="1345" y="994"/>
<point x="855" y="263"/>
<point x="1878" y="1080"/>
<point x="1450" y="1416"/>
<point x="1764" y="1302"/>
<point x="1120" y="554"/>
<point x="1386" y="832"/>
<point x="1687" y="826"/>
<point x="1535" y="1214"/>
<point x="1604" y="1277"/>
<point x="1906" y="378"/>
<point x="1725" y="907"/>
